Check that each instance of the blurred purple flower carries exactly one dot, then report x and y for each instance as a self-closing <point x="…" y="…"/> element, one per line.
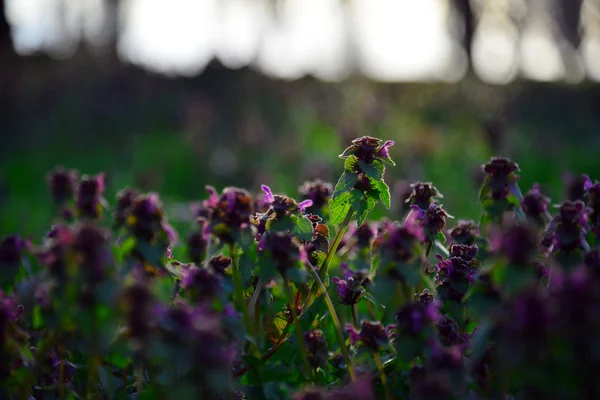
<point x="372" y="335"/>
<point x="62" y="184"/>
<point x="423" y="194"/>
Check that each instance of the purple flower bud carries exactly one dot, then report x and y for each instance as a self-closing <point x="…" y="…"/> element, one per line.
<point x="125" y="200"/>
<point x="318" y="191"/>
<point x="11" y="250"/>
<point x="365" y="234"/>
<point x="201" y="283"/>
<point x="433" y="220"/>
<point x="570" y="227"/>
<point x="577" y="186"/>
<point x="501" y="173"/>
<point x="449" y="333"/>
<point x="368" y="148"/>
<point x="423" y="194"/>
<point x="219" y="264"/>
<point x="372" y="335"/>
<point x="197" y="243"/>
<point x="88" y="196"/>
<point x="91" y="245"/>
<point x="349" y="292"/>
<point x="401" y="242"/>
<point x="316" y="348"/>
<point x="283" y="249"/>
<point x="62" y="184"/>
<point x="464" y="232"/>
<point x="535" y="205"/>
<point x="413" y="318"/>
<point x="137" y="306"/>
<point x="518" y="244"/>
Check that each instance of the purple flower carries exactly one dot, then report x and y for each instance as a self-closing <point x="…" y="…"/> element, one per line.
<point x="146" y="220"/>
<point x="518" y="244"/>
<point x="501" y="176"/>
<point x="372" y="335"/>
<point x="570" y="227"/>
<point x="318" y="191"/>
<point x="457" y="273"/>
<point x="202" y="284"/>
<point x="400" y="243"/>
<point x="433" y="219"/>
<point x="219" y="264"/>
<point x="350" y="291"/>
<point x="137" y="301"/>
<point x="268" y="194"/>
<point x="283" y="249"/>
<point x="423" y="194"/>
<point x="197" y="243"/>
<point x="464" y="232"/>
<point x="413" y="318"/>
<point x="62" y="184"/>
<point x="577" y="186"/>
<point x="316" y="348"/>
<point x="92" y="248"/>
<point x="368" y="148"/>
<point x="383" y="151"/>
<point x="365" y="234"/>
<point x="535" y="205"/>
<point x="88" y="196"/>
<point x="125" y="200"/>
<point x="231" y="214"/>
<point x="11" y="250"/>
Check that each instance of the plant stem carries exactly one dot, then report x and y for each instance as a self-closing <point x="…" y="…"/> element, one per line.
<point x="139" y="379"/>
<point x="239" y="296"/>
<point x="299" y="333"/>
<point x="330" y="254"/>
<point x="336" y="242"/>
<point x="61" y="377"/>
<point x="388" y="394"/>
<point x="336" y="322"/>
<point x="354" y="319"/>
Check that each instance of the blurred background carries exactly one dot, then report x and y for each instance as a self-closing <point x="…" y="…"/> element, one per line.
<point x="173" y="95"/>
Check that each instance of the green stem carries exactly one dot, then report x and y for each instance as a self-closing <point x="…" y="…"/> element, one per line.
<point x="299" y="333"/>
<point x="336" y="242"/>
<point x="239" y="296"/>
<point x="388" y="394"/>
<point x="336" y="322"/>
<point x="354" y="318"/>
<point x="330" y="254"/>
<point x="61" y="378"/>
<point x="139" y="378"/>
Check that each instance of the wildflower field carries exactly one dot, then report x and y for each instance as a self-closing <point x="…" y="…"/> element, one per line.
<point x="267" y="296"/>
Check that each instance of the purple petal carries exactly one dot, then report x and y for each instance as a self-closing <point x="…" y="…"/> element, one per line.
<point x="268" y="194"/>
<point x="303" y="205"/>
<point x="383" y="151"/>
<point x="587" y="185"/>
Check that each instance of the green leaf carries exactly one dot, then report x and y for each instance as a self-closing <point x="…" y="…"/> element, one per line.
<point x="365" y="206"/>
<point x="441" y="237"/>
<point x="350" y="164"/>
<point x="109" y="382"/>
<point x="339" y="207"/>
<point x="349" y="151"/>
<point x="303" y="228"/>
<point x="374" y="169"/>
<point x="384" y="193"/>
<point x="345" y="184"/>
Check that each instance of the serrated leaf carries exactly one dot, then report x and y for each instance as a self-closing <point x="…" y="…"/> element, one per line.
<point x="365" y="206"/>
<point x="383" y="192"/>
<point x="374" y="169"/>
<point x="345" y="184"/>
<point x="303" y="228"/>
<point x="339" y="207"/>
<point x="350" y="164"/>
<point x="348" y="151"/>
